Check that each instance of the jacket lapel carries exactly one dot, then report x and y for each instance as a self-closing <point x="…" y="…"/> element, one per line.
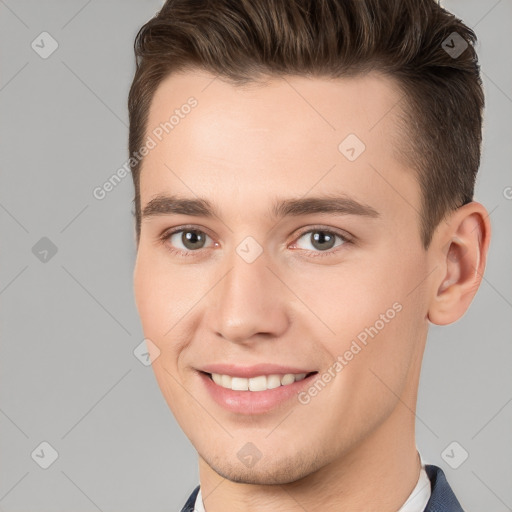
<point x="189" y="506"/>
<point x="442" y="498"/>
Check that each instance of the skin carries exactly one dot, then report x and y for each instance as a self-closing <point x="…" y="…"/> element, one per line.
<point x="352" y="447"/>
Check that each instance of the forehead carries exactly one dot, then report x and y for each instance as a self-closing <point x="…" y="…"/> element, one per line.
<point x="288" y="134"/>
<point x="317" y="107"/>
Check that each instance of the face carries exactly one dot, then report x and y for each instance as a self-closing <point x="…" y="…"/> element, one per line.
<point x="280" y="253"/>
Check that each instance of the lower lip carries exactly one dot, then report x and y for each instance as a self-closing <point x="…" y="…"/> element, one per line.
<point x="253" y="402"/>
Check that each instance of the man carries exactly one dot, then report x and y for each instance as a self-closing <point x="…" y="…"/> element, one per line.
<point x="261" y="130"/>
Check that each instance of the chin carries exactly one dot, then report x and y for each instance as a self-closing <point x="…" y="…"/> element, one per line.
<point x="273" y="472"/>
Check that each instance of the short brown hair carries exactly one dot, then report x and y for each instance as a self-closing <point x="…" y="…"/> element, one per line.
<point x="408" y="40"/>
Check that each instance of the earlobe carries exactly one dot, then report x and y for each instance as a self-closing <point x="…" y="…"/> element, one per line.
<point x="462" y="252"/>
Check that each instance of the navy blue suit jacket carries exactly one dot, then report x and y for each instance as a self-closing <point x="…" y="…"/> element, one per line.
<point x="441" y="499"/>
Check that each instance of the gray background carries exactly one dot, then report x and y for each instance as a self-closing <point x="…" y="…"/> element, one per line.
<point x="69" y="324"/>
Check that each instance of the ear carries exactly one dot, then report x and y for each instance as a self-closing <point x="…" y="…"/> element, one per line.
<point x="459" y="247"/>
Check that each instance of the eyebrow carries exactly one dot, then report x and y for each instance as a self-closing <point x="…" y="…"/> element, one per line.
<point x="340" y="205"/>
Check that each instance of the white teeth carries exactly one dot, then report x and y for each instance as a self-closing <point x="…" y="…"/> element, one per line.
<point x="225" y="381"/>
<point x="239" y="384"/>
<point x="287" y="379"/>
<point x="259" y="383"/>
<point x="273" y="381"/>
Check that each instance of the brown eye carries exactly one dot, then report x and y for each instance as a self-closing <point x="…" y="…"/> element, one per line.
<point x="184" y="240"/>
<point x="321" y="240"/>
<point x="192" y="239"/>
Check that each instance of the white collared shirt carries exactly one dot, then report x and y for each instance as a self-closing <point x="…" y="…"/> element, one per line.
<point x="418" y="499"/>
<point x="416" y="502"/>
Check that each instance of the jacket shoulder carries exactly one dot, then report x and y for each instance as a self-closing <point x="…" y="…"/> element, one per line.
<point x="442" y="498"/>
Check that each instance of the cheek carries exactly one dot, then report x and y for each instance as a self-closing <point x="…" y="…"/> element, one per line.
<point x="157" y="288"/>
<point x="165" y="296"/>
<point x="373" y="306"/>
<point x="155" y="296"/>
<point x="348" y="298"/>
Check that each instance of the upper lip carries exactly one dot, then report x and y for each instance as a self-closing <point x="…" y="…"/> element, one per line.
<point x="235" y="370"/>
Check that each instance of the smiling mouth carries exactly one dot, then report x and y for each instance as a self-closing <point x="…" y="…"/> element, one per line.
<point x="257" y="383"/>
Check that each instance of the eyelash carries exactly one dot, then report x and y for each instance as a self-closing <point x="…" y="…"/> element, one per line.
<point x="315" y="254"/>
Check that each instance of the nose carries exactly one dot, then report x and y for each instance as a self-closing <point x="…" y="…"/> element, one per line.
<point x="249" y="302"/>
